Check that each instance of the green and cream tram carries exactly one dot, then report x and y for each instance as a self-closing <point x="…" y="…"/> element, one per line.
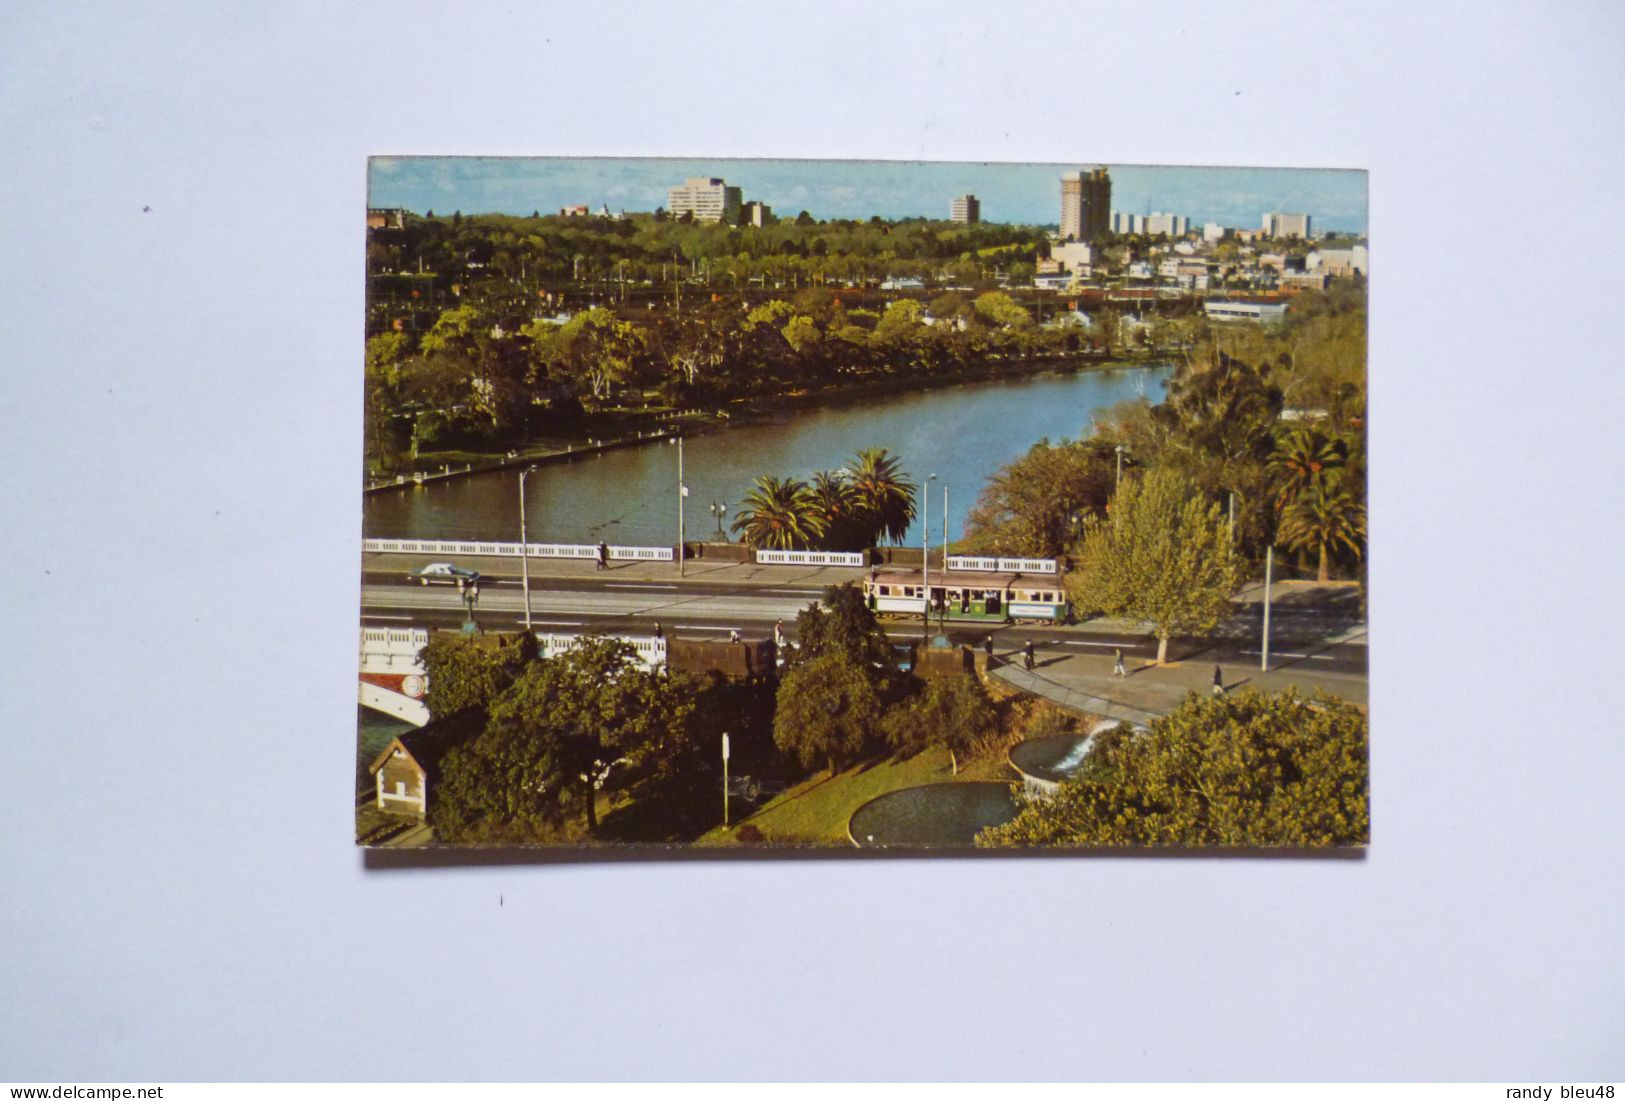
<point x="968" y="596"/>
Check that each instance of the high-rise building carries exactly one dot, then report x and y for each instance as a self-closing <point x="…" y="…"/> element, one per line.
<point x="1277" y="224"/>
<point x="1086" y="204"/>
<point x="1151" y="225"/>
<point x="756" y="214"/>
<point x="706" y="198"/>
<point x="965" y="210"/>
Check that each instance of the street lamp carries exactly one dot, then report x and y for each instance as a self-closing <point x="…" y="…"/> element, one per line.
<point x="925" y="552"/>
<point x="1119" y="484"/>
<point x="470" y="593"/>
<point x="524" y="547"/>
<point x="719" y="510"/>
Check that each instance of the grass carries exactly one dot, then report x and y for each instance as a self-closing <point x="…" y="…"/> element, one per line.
<point x="815" y="812"/>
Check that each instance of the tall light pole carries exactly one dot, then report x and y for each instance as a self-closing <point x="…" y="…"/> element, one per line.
<point x="524" y="546"/>
<point x="1119" y="484"/>
<point x="1269" y="579"/>
<point x="682" y="491"/>
<point x="925" y="552"/>
<point x="944" y="627"/>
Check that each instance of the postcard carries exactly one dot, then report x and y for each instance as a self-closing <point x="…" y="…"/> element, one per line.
<point x="790" y="504"/>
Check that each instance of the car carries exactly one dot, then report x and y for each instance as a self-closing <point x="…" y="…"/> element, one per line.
<point x="444" y="573"/>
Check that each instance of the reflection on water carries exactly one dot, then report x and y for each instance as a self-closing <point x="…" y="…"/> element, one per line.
<point x="963" y="434"/>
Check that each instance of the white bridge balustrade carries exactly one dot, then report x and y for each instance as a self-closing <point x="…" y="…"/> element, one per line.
<point x="809" y="558"/>
<point x="393" y="678"/>
<point x="513" y="550"/>
<point x="650" y="652"/>
<point x="1001" y="565"/>
<point x="395" y="681"/>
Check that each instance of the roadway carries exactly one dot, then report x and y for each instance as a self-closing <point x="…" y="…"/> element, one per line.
<point x="1323" y="639"/>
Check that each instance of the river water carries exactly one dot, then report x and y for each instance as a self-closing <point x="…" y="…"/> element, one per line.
<point x="963" y="434"/>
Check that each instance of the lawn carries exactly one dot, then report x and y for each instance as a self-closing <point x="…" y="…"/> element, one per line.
<point x="815" y="812"/>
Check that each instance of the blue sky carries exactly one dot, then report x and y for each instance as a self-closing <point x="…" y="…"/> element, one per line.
<point x="1027" y="193"/>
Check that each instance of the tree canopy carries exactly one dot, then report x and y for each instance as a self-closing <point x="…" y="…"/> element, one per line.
<point x="1162" y="554"/>
<point x="1246" y="769"/>
<point x="564" y="729"/>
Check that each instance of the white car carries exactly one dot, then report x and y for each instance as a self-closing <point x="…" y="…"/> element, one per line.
<point x="444" y="573"/>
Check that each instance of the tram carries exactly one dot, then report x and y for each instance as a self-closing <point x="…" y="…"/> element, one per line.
<point x="969" y="596"/>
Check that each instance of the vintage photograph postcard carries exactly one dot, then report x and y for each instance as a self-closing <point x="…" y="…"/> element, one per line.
<point x="855" y="504"/>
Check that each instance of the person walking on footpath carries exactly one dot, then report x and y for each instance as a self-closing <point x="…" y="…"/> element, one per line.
<point x="1027" y="655"/>
<point x="1218" y="681"/>
<point x="1117" y="665"/>
<point x="658" y="632"/>
<point x="778" y="635"/>
<point x="987" y="648"/>
<point x="603" y="556"/>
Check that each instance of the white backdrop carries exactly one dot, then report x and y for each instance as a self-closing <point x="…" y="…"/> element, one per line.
<point x="180" y="330"/>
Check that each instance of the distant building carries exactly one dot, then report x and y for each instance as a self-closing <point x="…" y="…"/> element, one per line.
<point x="705" y="199"/>
<point x="1340" y="261"/>
<point x="1086" y="204"/>
<point x="1151" y="225"/>
<point x="1276" y="224"/>
<point x="756" y="214"/>
<point x="1258" y="313"/>
<point x="1213" y="231"/>
<point x="386" y="218"/>
<point x="965" y="210"/>
<point x="1305" y="280"/>
<point x="577" y="211"/>
<point x="1074" y="256"/>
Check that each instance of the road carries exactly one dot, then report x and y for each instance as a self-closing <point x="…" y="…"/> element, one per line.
<point x="1323" y="640"/>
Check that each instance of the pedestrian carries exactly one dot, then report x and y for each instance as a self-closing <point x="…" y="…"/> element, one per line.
<point x="603" y="556"/>
<point x="778" y="634"/>
<point x="1218" y="681"/>
<point x="1027" y="654"/>
<point x="987" y="647"/>
<point x="658" y="632"/>
<point x="1117" y="667"/>
<point x="733" y="635"/>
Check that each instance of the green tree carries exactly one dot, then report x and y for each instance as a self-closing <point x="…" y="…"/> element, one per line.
<point x="1246" y="769"/>
<point x="466" y="673"/>
<point x="1161" y="554"/>
<point x="594" y="350"/>
<point x="1305" y="460"/>
<point x="566" y="728"/>
<point x="884" y="493"/>
<point x="1323" y="520"/>
<point x="1035" y="506"/>
<point x="827" y="710"/>
<point x="779" y="514"/>
<point x="844" y="624"/>
<point x="953" y="712"/>
<point x="839" y="512"/>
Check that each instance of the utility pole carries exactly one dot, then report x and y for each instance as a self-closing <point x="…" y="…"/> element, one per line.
<point x="945" y="557"/>
<point x="682" y="491"/>
<point x="524" y="546"/>
<point x="724" y="780"/>
<point x="1269" y="579"/>
<point x="925" y="554"/>
<point x="1232" y="516"/>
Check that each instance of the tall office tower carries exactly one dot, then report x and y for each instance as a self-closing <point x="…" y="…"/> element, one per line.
<point x="1277" y="224"/>
<point x="1086" y="204"/>
<point x="707" y="198"/>
<point x="966" y="210"/>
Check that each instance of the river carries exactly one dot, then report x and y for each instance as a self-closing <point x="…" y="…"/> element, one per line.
<point x="963" y="434"/>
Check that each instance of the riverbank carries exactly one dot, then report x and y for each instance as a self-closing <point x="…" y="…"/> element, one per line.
<point x="658" y="426"/>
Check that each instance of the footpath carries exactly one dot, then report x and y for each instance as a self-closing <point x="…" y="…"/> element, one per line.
<point x="1085" y="682"/>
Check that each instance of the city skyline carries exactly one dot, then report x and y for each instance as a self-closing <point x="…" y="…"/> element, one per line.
<point x="1015" y="193"/>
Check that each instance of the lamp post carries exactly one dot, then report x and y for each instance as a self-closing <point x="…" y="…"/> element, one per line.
<point x="719" y="510"/>
<point x="470" y="593"/>
<point x="925" y="553"/>
<point x="1119" y="484"/>
<point x="524" y="546"/>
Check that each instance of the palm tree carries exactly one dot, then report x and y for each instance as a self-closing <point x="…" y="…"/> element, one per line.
<point x="779" y="514"/>
<point x="1306" y="460"/>
<point x="884" y="494"/>
<point x="1323" y="519"/>
<point x="838" y="509"/>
